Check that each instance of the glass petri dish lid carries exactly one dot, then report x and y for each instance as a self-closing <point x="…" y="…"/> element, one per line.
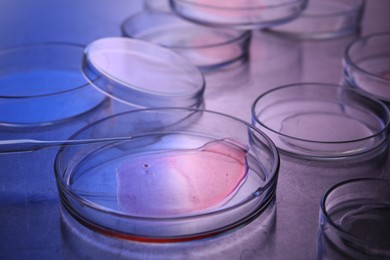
<point x="184" y="175"/>
<point x="239" y="14"/>
<point x="321" y="121"/>
<point x="324" y="19"/>
<point x="367" y="65"/>
<point x="142" y="74"/>
<point x="42" y="84"/>
<point x="355" y="218"/>
<point x="208" y="48"/>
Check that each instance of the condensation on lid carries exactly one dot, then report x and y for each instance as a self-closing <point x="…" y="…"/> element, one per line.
<point x="142" y="73"/>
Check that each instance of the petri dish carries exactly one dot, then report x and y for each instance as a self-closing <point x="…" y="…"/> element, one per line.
<point x="42" y="84"/>
<point x="355" y="220"/>
<point x="238" y="14"/>
<point x="367" y="65"/>
<point x="208" y="48"/>
<point x="183" y="176"/>
<point x="321" y="121"/>
<point x="142" y="74"/>
<point x="324" y="19"/>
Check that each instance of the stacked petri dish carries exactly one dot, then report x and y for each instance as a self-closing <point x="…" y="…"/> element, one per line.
<point x="212" y="35"/>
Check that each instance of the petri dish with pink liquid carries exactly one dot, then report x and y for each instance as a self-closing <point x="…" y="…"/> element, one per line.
<point x="367" y="65"/>
<point x="183" y="175"/>
<point x="239" y="14"/>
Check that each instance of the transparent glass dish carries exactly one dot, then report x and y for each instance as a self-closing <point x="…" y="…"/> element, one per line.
<point x="42" y="84"/>
<point x="207" y="48"/>
<point x="355" y="220"/>
<point x="183" y="176"/>
<point x="142" y="74"/>
<point x="367" y="65"/>
<point x="324" y="19"/>
<point x="322" y="121"/>
<point x="239" y="14"/>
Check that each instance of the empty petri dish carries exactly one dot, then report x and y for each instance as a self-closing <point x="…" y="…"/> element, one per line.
<point x="322" y="121"/>
<point x="239" y="14"/>
<point x="142" y="74"/>
<point x="42" y="84"/>
<point x="184" y="175"/>
<point x="323" y="19"/>
<point x="355" y="220"/>
<point x="207" y="48"/>
<point x="367" y="65"/>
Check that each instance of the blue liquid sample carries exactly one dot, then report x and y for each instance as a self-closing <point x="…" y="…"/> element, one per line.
<point x="43" y="96"/>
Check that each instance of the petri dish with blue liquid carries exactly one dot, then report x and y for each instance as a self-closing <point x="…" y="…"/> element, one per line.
<point x="42" y="84"/>
<point x="183" y="175"/>
<point x="49" y="83"/>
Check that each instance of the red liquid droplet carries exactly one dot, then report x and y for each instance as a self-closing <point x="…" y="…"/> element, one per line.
<point x="181" y="182"/>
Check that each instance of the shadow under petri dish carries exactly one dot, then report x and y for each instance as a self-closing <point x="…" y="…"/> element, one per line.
<point x="42" y="84"/>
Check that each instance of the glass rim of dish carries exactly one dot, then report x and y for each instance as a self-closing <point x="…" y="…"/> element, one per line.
<point x="234" y="8"/>
<point x="358" y="92"/>
<point x="324" y="212"/>
<point x="58" y="44"/>
<point x="89" y="65"/>
<point x="349" y="60"/>
<point x="241" y="34"/>
<point x="273" y="174"/>
<point x="351" y="9"/>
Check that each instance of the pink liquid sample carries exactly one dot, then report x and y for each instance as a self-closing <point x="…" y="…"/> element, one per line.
<point x="181" y="182"/>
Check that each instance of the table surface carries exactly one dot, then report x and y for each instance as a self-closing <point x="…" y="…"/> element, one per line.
<point x="32" y="223"/>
